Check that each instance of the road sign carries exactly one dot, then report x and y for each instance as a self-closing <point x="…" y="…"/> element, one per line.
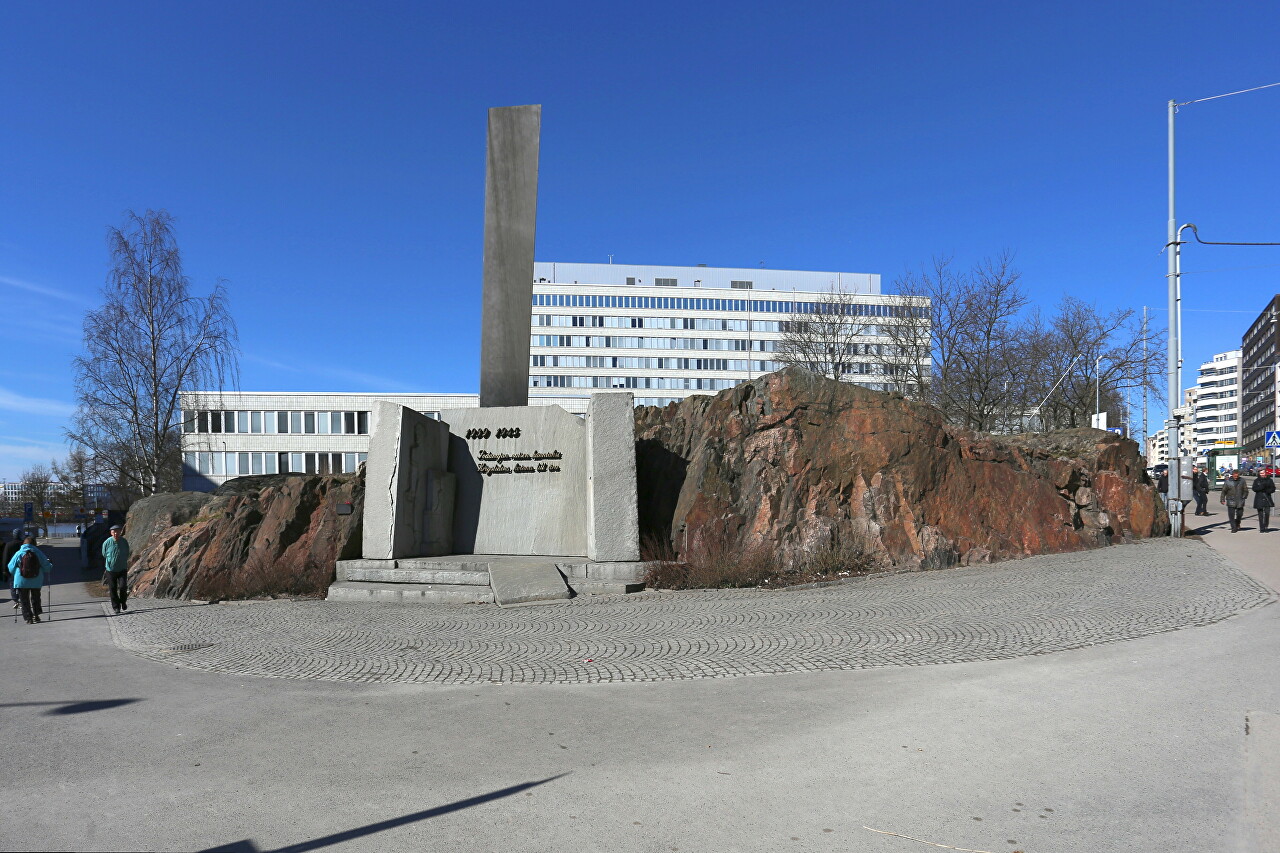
<point x="28" y="511"/>
<point x="1273" y="439"/>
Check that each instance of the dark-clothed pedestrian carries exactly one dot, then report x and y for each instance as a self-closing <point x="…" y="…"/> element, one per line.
<point x="115" y="557"/>
<point x="1263" y="489"/>
<point x="1200" y="490"/>
<point x="1234" y="494"/>
<point x="1162" y="483"/>
<point x="9" y="550"/>
<point x="30" y="569"/>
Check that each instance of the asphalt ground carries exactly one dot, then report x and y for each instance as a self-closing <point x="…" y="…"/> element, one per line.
<point x="1166" y="741"/>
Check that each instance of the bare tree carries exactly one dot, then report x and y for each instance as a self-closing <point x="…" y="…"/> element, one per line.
<point x="968" y="356"/>
<point x="37" y="486"/>
<point x="149" y="341"/>
<point x="830" y="335"/>
<point x="1096" y="355"/>
<point x="74" y="473"/>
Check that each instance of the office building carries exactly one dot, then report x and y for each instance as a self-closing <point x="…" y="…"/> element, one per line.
<point x="662" y="333"/>
<point x="665" y="333"/>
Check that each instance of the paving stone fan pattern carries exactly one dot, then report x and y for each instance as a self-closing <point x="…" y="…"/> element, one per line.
<point x="1028" y="607"/>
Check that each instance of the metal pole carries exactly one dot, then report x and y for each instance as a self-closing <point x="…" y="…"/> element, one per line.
<point x="1174" y="379"/>
<point x="1145" y="434"/>
<point x="1097" y="385"/>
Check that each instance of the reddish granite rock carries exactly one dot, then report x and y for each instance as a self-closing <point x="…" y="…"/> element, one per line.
<point x="795" y="462"/>
<point x="255" y="536"/>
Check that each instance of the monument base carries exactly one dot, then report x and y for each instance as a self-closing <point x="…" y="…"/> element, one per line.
<point x="477" y="578"/>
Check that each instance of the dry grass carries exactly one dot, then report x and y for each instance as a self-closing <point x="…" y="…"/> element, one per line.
<point x="714" y="561"/>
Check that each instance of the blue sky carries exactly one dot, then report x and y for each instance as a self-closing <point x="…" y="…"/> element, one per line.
<point x="327" y="160"/>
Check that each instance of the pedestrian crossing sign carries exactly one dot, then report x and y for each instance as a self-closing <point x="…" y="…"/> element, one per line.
<point x="1273" y="439"/>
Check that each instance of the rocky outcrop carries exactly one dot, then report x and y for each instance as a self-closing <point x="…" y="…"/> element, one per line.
<point x="797" y="463"/>
<point x="271" y="535"/>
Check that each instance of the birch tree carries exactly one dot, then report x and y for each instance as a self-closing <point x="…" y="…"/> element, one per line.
<point x="150" y="340"/>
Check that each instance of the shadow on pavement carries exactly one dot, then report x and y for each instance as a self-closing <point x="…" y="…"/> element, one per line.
<point x="73" y="707"/>
<point x="247" y="845"/>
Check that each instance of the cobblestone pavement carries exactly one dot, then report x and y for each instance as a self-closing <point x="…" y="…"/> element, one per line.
<point x="1027" y="607"/>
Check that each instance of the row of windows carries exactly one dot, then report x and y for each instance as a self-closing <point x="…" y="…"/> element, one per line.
<point x="674" y="282"/>
<point x="273" y="423"/>
<point x="759" y="306"/>
<point x="221" y="464"/>
<point x="661" y="383"/>
<point x="654" y="363"/>
<point x="701" y="324"/>
<point x="628" y="342"/>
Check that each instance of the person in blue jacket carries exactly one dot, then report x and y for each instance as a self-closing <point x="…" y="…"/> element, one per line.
<point x="28" y="589"/>
<point x="115" y="555"/>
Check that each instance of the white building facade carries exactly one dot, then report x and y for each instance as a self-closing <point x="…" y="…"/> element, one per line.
<point x="1215" y="404"/>
<point x="663" y="333"/>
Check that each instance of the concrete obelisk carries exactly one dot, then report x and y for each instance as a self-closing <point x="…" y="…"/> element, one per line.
<point x="510" y="220"/>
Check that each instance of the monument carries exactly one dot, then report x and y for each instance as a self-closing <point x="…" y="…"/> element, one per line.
<point x="507" y="503"/>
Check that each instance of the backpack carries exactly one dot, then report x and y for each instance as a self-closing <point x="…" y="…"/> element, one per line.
<point x="29" y="566"/>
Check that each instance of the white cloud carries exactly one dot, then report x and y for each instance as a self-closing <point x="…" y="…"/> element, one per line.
<point x="374" y="383"/>
<point x="15" y="458"/>
<point x="14" y="402"/>
<point x="40" y="289"/>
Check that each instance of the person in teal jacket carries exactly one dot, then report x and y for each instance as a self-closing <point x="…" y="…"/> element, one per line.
<point x="28" y="589"/>
<point x="115" y="556"/>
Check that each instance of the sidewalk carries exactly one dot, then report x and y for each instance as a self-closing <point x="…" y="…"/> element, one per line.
<point x="1165" y="742"/>
<point x="1255" y="552"/>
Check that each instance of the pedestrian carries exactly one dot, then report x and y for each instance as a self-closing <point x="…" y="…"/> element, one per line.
<point x="1234" y="494"/>
<point x="1263" y="488"/>
<point x="30" y="568"/>
<point x="1162" y="483"/>
<point x="1200" y="490"/>
<point x="9" y="551"/>
<point x="115" y="557"/>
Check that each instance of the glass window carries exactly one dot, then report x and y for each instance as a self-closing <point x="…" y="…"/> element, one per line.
<point x="255" y="463"/>
<point x="243" y="466"/>
<point x="188" y="421"/>
<point x="269" y="422"/>
<point x="322" y="463"/>
<point x="255" y="422"/>
<point x="363" y="421"/>
<point x="269" y="463"/>
<point x="190" y="460"/>
<point x="309" y="423"/>
<point x="349" y="462"/>
<point x="309" y="460"/>
<point x="242" y="421"/>
<point x="219" y="469"/>
<point x="322" y="423"/>
<point x="202" y="422"/>
<point x="361" y="457"/>
<point x="215" y="422"/>
<point x="295" y="423"/>
<point x="295" y="463"/>
<point x="349" y="423"/>
<point x="206" y="463"/>
<point x="335" y="462"/>
<point x="282" y="422"/>
<point x="228" y="421"/>
<point x="335" y="423"/>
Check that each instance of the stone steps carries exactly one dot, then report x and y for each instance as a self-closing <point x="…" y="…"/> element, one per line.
<point x="416" y="593"/>
<point x="505" y="580"/>
<point x="585" y="587"/>
<point x="419" y="576"/>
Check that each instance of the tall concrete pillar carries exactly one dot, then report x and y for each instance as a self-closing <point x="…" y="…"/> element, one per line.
<point x="510" y="219"/>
